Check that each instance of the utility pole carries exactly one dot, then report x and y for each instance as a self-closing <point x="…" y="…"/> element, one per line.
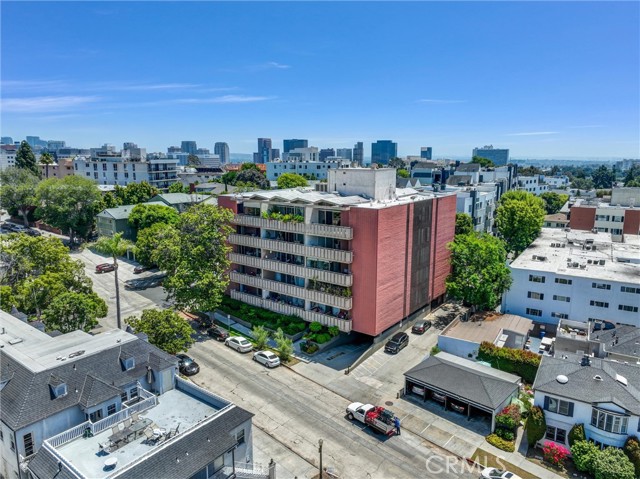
<point x="320" y="451"/>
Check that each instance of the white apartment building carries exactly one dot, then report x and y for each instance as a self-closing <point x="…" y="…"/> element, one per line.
<point x="576" y="275"/>
<point x="479" y="202"/>
<point x="318" y="169"/>
<point x="107" y="166"/>
<point x="7" y="156"/>
<point x="557" y="181"/>
<point x="302" y="154"/>
<point x="533" y="184"/>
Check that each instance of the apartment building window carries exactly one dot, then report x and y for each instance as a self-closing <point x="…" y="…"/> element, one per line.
<point x="616" y="231"/>
<point x="556" y="434"/>
<point x="566" y="299"/>
<point x="536" y="279"/>
<point x="13" y="443"/>
<point x="111" y="409"/>
<point x="95" y="175"/>
<point x="75" y="165"/>
<point x="601" y="286"/>
<point x="115" y="167"/>
<point x="95" y="416"/>
<point x="563" y="281"/>
<point x="609" y="422"/>
<point x="631" y="309"/>
<point x="534" y="312"/>
<point x="602" y="217"/>
<point x="240" y="437"/>
<point x="628" y="289"/>
<point x="115" y="176"/>
<point x="126" y="174"/>
<point x="95" y="167"/>
<point x="617" y="219"/>
<point x="123" y="396"/>
<point x="560" y="315"/>
<point x="133" y="392"/>
<point x="558" y="406"/>
<point x="534" y="295"/>
<point x="134" y="177"/>
<point x="599" y="304"/>
<point x="104" y="167"/>
<point x="88" y="174"/>
<point x="28" y="444"/>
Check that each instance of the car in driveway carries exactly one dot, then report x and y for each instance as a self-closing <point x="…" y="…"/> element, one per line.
<point x="105" y="268"/>
<point x="495" y="473"/>
<point x="218" y="334"/>
<point x="187" y="365"/>
<point x="397" y="342"/>
<point x="421" y="327"/>
<point x="267" y="358"/>
<point x="240" y="344"/>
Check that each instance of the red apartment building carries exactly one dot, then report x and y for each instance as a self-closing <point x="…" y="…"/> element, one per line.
<point x="619" y="215"/>
<point x="361" y="257"/>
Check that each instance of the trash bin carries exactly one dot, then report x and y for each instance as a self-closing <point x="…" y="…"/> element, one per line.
<point x="542" y="333"/>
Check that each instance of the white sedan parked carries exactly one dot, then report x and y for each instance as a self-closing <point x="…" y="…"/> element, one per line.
<point x="239" y="343"/>
<point x="267" y="358"/>
<point x="494" y="473"/>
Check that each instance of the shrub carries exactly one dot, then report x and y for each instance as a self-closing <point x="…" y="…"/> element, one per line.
<point x="517" y="361"/>
<point x="260" y="337"/>
<point x="500" y="443"/>
<point x="632" y="450"/>
<point x="509" y="417"/>
<point x="435" y="350"/>
<point x="284" y="346"/>
<point x="584" y="454"/>
<point x="555" y="454"/>
<point x="505" y="434"/>
<point x="334" y="331"/>
<point x="322" y="338"/>
<point x="536" y="426"/>
<point x="577" y="434"/>
<point x="315" y="327"/>
<point x="612" y="463"/>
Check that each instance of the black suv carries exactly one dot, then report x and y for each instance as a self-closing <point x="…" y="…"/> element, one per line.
<point x="421" y="327"/>
<point x="396" y="343"/>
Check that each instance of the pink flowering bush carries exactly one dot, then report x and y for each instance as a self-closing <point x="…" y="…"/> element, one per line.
<point x="555" y="454"/>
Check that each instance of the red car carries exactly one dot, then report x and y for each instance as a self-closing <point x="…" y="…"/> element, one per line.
<point x="105" y="267"/>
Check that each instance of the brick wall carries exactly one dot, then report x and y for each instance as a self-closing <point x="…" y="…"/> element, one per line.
<point x="582" y="218"/>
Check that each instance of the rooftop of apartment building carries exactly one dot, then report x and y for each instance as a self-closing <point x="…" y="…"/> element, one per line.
<point x="620" y="198"/>
<point x="487" y="327"/>
<point x="618" y="339"/>
<point x="583" y="254"/>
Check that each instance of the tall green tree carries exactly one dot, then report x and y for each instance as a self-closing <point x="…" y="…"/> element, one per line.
<point x="397" y="163"/>
<point x="553" y="202"/>
<point x="108" y="200"/>
<point x="193" y="160"/>
<point x="291" y="180"/>
<point x="479" y="273"/>
<point x="18" y="191"/>
<point x="582" y="183"/>
<point x="464" y="224"/>
<point x="165" y="329"/>
<point x="26" y="160"/>
<point x="284" y="345"/>
<point x="135" y="193"/>
<point x="148" y="248"/>
<point x="178" y="187"/>
<point x="251" y="176"/>
<point x="612" y="463"/>
<point x="143" y="216"/>
<point x="483" y="162"/>
<point x="519" y="219"/>
<point x="46" y="159"/>
<point x="196" y="259"/>
<point x="71" y="311"/>
<point x="36" y="293"/>
<point x="69" y="203"/>
<point x="632" y="177"/>
<point x="603" y="178"/>
<point x="114" y="246"/>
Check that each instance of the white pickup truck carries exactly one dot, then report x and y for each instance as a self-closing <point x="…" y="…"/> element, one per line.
<point x="378" y="418"/>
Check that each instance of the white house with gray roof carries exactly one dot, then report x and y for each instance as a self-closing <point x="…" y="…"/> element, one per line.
<point x="79" y="406"/>
<point x="603" y="395"/>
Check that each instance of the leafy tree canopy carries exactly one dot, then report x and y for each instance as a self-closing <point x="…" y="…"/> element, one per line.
<point x="402" y="173"/>
<point x="603" y="177"/>
<point x="108" y="200"/>
<point x="196" y="259"/>
<point x="464" y="224"/>
<point x="26" y="160"/>
<point x="612" y="463"/>
<point x="178" y="187"/>
<point x="148" y="251"/>
<point x="165" y="329"/>
<point x="69" y="203"/>
<point x="582" y="183"/>
<point x="291" y="180"/>
<point x="519" y="219"/>
<point x="483" y="162"/>
<point x="143" y="216"/>
<point x="553" y="202"/>
<point x="632" y="178"/>
<point x="249" y="166"/>
<point x="135" y="193"/>
<point x="479" y="273"/>
<point x="71" y="311"/>
<point x="252" y="176"/>
<point x="193" y="160"/>
<point x="18" y="190"/>
<point x="529" y="171"/>
<point x="397" y="163"/>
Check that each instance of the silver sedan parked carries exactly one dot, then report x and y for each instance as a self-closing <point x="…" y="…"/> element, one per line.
<point x="267" y="358"/>
<point x="240" y="344"/>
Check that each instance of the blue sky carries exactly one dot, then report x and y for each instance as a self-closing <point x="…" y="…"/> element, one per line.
<point x="545" y="79"/>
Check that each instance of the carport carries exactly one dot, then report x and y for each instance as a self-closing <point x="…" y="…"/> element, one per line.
<point x="449" y="379"/>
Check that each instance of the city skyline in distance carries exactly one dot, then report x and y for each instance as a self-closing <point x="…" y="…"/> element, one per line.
<point x="547" y="80"/>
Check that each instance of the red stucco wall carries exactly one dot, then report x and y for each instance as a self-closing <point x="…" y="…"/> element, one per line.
<point x="582" y="218"/>
<point x="228" y="202"/>
<point x="631" y="222"/>
<point x="442" y="232"/>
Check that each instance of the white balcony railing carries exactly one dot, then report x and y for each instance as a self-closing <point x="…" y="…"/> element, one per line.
<point x="315" y="229"/>
<point x="329" y="254"/>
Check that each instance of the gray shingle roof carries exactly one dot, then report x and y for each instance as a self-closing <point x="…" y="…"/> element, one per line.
<point x="123" y="212"/>
<point x="44" y="465"/>
<point x="179" y="198"/>
<point x="584" y="388"/>
<point x="621" y="340"/>
<point x="466" y="379"/>
<point x="27" y="398"/>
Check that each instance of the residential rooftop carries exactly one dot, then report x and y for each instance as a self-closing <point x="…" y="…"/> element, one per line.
<point x="582" y="254"/>
<point x="123" y="212"/>
<point x="490" y="328"/>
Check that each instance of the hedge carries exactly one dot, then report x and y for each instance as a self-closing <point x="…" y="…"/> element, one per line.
<point x="516" y="361"/>
<point x="577" y="434"/>
<point x="536" y="425"/>
<point x="262" y="317"/>
<point x="632" y="450"/>
<point x="500" y="443"/>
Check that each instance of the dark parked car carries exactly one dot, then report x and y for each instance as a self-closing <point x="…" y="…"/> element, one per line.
<point x="396" y="343"/>
<point x="187" y="365"/>
<point x="105" y="267"/>
<point x="421" y="327"/>
<point x="32" y="232"/>
<point x="218" y="334"/>
<point x="140" y="269"/>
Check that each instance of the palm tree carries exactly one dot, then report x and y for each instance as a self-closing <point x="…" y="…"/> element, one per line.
<point x="46" y="159"/>
<point x="114" y="246"/>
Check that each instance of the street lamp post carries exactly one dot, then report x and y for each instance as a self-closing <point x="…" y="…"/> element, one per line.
<point x="320" y="451"/>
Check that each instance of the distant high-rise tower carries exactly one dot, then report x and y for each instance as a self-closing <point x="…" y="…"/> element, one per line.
<point x="382" y="151"/>
<point x="344" y="153"/>
<point x="275" y="153"/>
<point x="426" y="152"/>
<point x="189" y="147"/>
<point x="358" y="153"/>
<point x="222" y="150"/>
<point x="7" y="140"/>
<point x="264" y="151"/>
<point x="325" y="153"/>
<point x="288" y="145"/>
<point x="497" y="156"/>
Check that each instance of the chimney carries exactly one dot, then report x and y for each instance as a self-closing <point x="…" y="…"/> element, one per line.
<point x="586" y="360"/>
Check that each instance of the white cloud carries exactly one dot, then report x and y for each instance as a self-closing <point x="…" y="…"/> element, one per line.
<point x="534" y="133"/>
<point x="280" y="66"/>
<point x="225" y="99"/>
<point x="435" y="101"/>
<point x="45" y="103"/>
